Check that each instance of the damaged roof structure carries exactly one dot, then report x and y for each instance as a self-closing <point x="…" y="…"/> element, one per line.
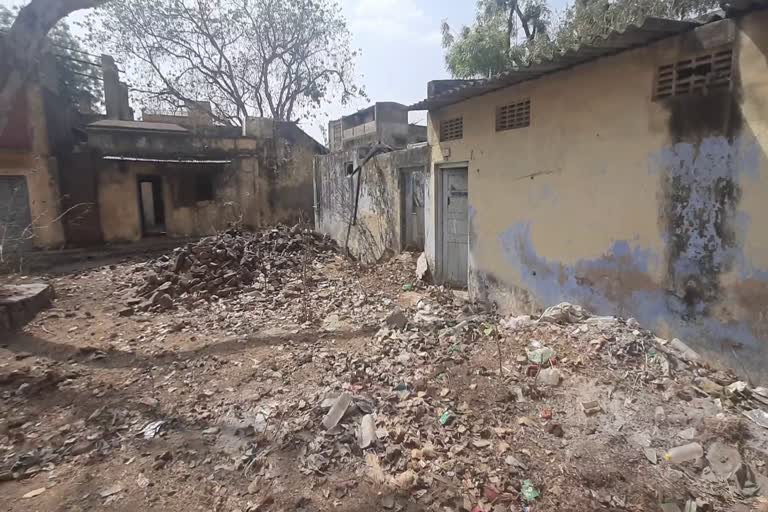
<point x="441" y="93"/>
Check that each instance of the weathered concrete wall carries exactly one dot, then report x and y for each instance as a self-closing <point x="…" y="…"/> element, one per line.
<point x="41" y="173"/>
<point x="235" y="186"/>
<point x="626" y="205"/>
<point x="268" y="181"/>
<point x="378" y="227"/>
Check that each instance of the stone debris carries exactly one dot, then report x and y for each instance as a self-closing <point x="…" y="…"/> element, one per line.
<point x="229" y="263"/>
<point x="367" y="431"/>
<point x="396" y="320"/>
<point x="33" y="494"/>
<point x="549" y="377"/>
<point x="337" y="411"/>
<point x="321" y="384"/>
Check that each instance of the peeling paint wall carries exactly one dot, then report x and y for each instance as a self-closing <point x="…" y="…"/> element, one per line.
<point x="378" y="229"/>
<point x="624" y="204"/>
<point x="40" y="170"/>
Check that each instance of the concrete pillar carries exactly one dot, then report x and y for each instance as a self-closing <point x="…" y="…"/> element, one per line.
<point x="112" y="89"/>
<point x="125" y="112"/>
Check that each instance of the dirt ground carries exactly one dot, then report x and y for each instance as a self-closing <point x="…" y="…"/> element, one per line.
<point x="219" y="404"/>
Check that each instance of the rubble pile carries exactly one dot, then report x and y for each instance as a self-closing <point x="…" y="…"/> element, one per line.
<point x="233" y="261"/>
<point x="476" y="414"/>
<point x="398" y="396"/>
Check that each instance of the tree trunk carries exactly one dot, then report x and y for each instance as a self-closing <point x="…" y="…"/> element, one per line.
<point x="20" y="47"/>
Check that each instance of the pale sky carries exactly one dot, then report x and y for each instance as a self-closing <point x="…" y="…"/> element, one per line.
<point x="400" y="45"/>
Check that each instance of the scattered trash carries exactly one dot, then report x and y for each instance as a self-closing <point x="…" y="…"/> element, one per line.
<point x="151" y="430"/>
<point x="335" y="402"/>
<point x="724" y="460"/>
<point x="684" y="453"/>
<point x="32" y="494"/>
<point x="337" y="411"/>
<point x="367" y="431"/>
<point x="516" y="323"/>
<point x="447" y="418"/>
<point x="111" y="490"/>
<point x="759" y="416"/>
<point x="564" y="313"/>
<point x="422" y="268"/>
<point x="529" y="492"/>
<point x="541" y="356"/>
<point x="407" y="287"/>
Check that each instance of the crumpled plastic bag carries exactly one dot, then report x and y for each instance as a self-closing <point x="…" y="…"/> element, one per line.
<point x="564" y="313"/>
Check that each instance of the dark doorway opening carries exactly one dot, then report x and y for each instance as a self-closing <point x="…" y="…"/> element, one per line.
<point x="151" y="205"/>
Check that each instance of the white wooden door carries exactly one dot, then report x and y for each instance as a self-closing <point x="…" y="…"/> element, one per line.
<point x="455" y="221"/>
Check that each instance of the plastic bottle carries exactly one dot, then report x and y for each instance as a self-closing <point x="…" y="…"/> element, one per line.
<point x="684" y="453"/>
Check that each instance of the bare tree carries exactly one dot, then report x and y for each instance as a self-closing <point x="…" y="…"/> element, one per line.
<point x="20" y="47"/>
<point x="270" y="58"/>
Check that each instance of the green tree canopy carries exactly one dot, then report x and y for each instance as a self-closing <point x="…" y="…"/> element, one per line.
<point x="510" y="33"/>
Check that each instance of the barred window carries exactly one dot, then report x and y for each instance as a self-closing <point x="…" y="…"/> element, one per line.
<point x="696" y="75"/>
<point x="514" y="115"/>
<point x="452" y="129"/>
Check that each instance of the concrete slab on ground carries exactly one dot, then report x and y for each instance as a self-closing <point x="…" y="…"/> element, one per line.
<point x="20" y="303"/>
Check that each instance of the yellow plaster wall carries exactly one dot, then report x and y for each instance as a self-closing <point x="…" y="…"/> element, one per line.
<point x="579" y="173"/>
<point x="119" y="204"/>
<point x="41" y="173"/>
<point x="243" y="195"/>
<point x="579" y="196"/>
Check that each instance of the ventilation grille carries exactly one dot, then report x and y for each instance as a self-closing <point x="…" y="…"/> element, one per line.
<point x="452" y="129"/>
<point x="698" y="75"/>
<point x="516" y="115"/>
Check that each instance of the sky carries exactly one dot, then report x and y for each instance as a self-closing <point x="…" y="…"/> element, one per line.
<point x="399" y="41"/>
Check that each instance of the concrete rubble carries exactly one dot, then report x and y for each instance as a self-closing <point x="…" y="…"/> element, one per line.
<point x="232" y="262"/>
<point x="312" y="383"/>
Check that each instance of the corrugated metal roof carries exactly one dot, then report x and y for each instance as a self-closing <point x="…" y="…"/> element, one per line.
<point x="633" y="36"/>
<point x="117" y="124"/>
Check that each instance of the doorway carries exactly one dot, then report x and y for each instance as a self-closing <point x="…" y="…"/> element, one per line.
<point x="16" y="226"/>
<point x="455" y="226"/>
<point x="151" y="205"/>
<point x="412" y="208"/>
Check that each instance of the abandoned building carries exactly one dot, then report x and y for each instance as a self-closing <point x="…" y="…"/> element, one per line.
<point x="71" y="180"/>
<point x="381" y="123"/>
<point x="369" y="191"/>
<point x="627" y="175"/>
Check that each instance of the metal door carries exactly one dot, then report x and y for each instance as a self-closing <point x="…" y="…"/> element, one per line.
<point x="413" y="211"/>
<point x="15" y="218"/>
<point x="455" y="220"/>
